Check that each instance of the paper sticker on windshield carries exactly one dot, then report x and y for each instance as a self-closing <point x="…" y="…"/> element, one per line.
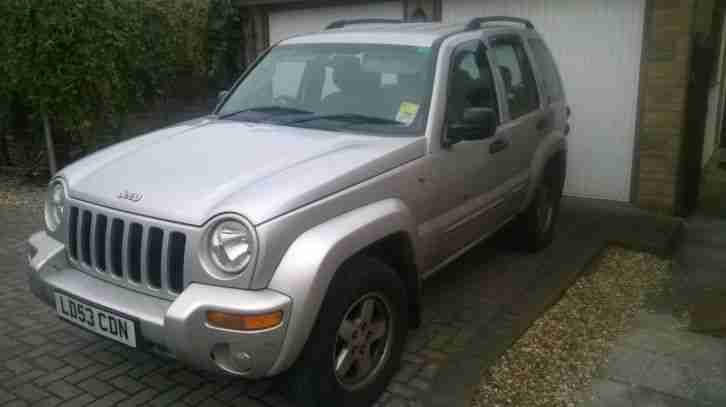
<point x="407" y="113"/>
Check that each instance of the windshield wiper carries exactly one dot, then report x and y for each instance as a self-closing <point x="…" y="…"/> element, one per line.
<point x="348" y="117"/>
<point x="271" y="109"/>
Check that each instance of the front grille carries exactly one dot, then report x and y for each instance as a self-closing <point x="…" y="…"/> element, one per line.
<point x="146" y="257"/>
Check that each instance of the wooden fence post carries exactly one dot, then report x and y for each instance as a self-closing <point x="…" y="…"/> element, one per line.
<point x="49" y="143"/>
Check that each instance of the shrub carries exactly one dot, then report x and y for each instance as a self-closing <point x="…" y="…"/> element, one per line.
<point x="84" y="63"/>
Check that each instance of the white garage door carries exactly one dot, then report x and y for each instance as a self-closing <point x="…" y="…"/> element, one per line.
<point x="597" y="44"/>
<point x="284" y="24"/>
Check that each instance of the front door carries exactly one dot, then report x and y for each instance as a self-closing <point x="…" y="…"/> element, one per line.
<point x="526" y="124"/>
<point x="470" y="177"/>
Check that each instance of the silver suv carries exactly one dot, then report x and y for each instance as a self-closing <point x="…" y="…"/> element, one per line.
<point x="290" y="230"/>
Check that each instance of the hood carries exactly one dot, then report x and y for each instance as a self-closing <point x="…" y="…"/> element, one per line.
<point x="191" y="172"/>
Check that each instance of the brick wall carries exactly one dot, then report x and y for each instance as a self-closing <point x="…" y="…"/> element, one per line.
<point x="664" y="84"/>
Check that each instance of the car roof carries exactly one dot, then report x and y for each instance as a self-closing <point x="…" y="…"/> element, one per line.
<point x="411" y="34"/>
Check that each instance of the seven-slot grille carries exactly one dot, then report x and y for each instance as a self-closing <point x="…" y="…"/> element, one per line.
<point x="143" y="256"/>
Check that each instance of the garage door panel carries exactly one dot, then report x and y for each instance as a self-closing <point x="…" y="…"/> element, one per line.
<point x="287" y="23"/>
<point x="598" y="45"/>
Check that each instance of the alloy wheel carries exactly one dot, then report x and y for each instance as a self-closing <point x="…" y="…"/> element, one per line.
<point x="545" y="209"/>
<point x="364" y="340"/>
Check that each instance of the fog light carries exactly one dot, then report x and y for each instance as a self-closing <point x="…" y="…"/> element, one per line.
<point x="237" y="322"/>
<point x="232" y="360"/>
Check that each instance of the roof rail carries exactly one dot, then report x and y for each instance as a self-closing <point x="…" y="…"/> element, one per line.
<point x="343" y="23"/>
<point x="475" y="23"/>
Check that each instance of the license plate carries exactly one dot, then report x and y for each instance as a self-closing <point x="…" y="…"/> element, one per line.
<point x="97" y="320"/>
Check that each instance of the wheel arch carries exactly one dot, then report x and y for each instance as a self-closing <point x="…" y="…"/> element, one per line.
<point x="552" y="150"/>
<point x="396" y="250"/>
<point x="309" y="264"/>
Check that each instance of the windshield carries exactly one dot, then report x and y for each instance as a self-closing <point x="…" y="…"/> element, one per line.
<point x="347" y="87"/>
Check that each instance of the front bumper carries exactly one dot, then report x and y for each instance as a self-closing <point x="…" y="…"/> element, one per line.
<point x="175" y="328"/>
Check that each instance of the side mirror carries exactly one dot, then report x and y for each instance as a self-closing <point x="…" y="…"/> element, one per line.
<point x="221" y="96"/>
<point x="477" y="123"/>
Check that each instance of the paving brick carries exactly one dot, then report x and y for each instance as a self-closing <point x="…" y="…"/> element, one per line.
<point x="231" y="392"/>
<point x="440" y="341"/>
<point x="144" y="369"/>
<point x="24" y="378"/>
<point x="187" y="378"/>
<point x="429" y="371"/>
<point x="202" y="393"/>
<point x="109" y="399"/>
<point x="212" y="403"/>
<point x="259" y="388"/>
<point x="18" y="365"/>
<point x="30" y="392"/>
<point x="10" y="354"/>
<point x="401" y="390"/>
<point x="43" y="349"/>
<point x="412" y="358"/>
<point x="35" y="340"/>
<point x="420" y="384"/>
<point x="396" y="402"/>
<point x="6" y="396"/>
<point x="245" y="401"/>
<point x="168" y="398"/>
<point x="406" y="372"/>
<point x="95" y="387"/>
<point x="160" y="382"/>
<point x="95" y="370"/>
<point x="49" y="363"/>
<point x="80" y="401"/>
<point x="139" y="398"/>
<point x="48" y="402"/>
<point x="78" y="361"/>
<point x="63" y="389"/>
<point x="58" y="374"/>
<point x="433" y="354"/>
<point x="17" y="403"/>
<point x="106" y="357"/>
<point x="275" y="399"/>
<point x="127" y="384"/>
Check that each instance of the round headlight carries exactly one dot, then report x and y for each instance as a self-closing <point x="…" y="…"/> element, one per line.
<point x="54" y="206"/>
<point x="231" y="246"/>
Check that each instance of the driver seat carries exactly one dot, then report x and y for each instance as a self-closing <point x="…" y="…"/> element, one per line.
<point x="359" y="92"/>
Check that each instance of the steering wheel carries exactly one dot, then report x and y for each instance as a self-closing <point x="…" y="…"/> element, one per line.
<point x="285" y="101"/>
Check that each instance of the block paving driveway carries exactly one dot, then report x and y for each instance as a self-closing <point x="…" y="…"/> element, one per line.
<point x="474" y="309"/>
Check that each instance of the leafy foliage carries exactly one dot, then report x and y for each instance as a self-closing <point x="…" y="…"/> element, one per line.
<point x="225" y="61"/>
<point x="88" y="62"/>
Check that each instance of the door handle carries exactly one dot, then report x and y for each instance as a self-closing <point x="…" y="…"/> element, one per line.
<point x="498" y="145"/>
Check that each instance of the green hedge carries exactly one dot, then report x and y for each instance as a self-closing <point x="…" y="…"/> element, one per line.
<point x="86" y="63"/>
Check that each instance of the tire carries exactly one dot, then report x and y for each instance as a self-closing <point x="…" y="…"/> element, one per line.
<point x="360" y="282"/>
<point x="534" y="229"/>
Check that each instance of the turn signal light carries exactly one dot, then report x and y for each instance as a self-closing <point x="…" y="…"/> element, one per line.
<point x="238" y="322"/>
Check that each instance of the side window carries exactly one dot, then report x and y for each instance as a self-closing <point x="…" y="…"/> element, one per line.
<point x="550" y="74"/>
<point x="471" y="83"/>
<point x="287" y="79"/>
<point x="516" y="71"/>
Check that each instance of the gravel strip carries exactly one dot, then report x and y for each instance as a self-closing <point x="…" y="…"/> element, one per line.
<point x="16" y="192"/>
<point x="555" y="360"/>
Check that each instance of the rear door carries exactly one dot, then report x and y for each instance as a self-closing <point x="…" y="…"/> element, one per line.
<point x="524" y="121"/>
<point x="554" y="102"/>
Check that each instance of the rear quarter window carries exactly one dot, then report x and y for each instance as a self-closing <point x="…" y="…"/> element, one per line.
<point x="516" y="72"/>
<point x="548" y="70"/>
